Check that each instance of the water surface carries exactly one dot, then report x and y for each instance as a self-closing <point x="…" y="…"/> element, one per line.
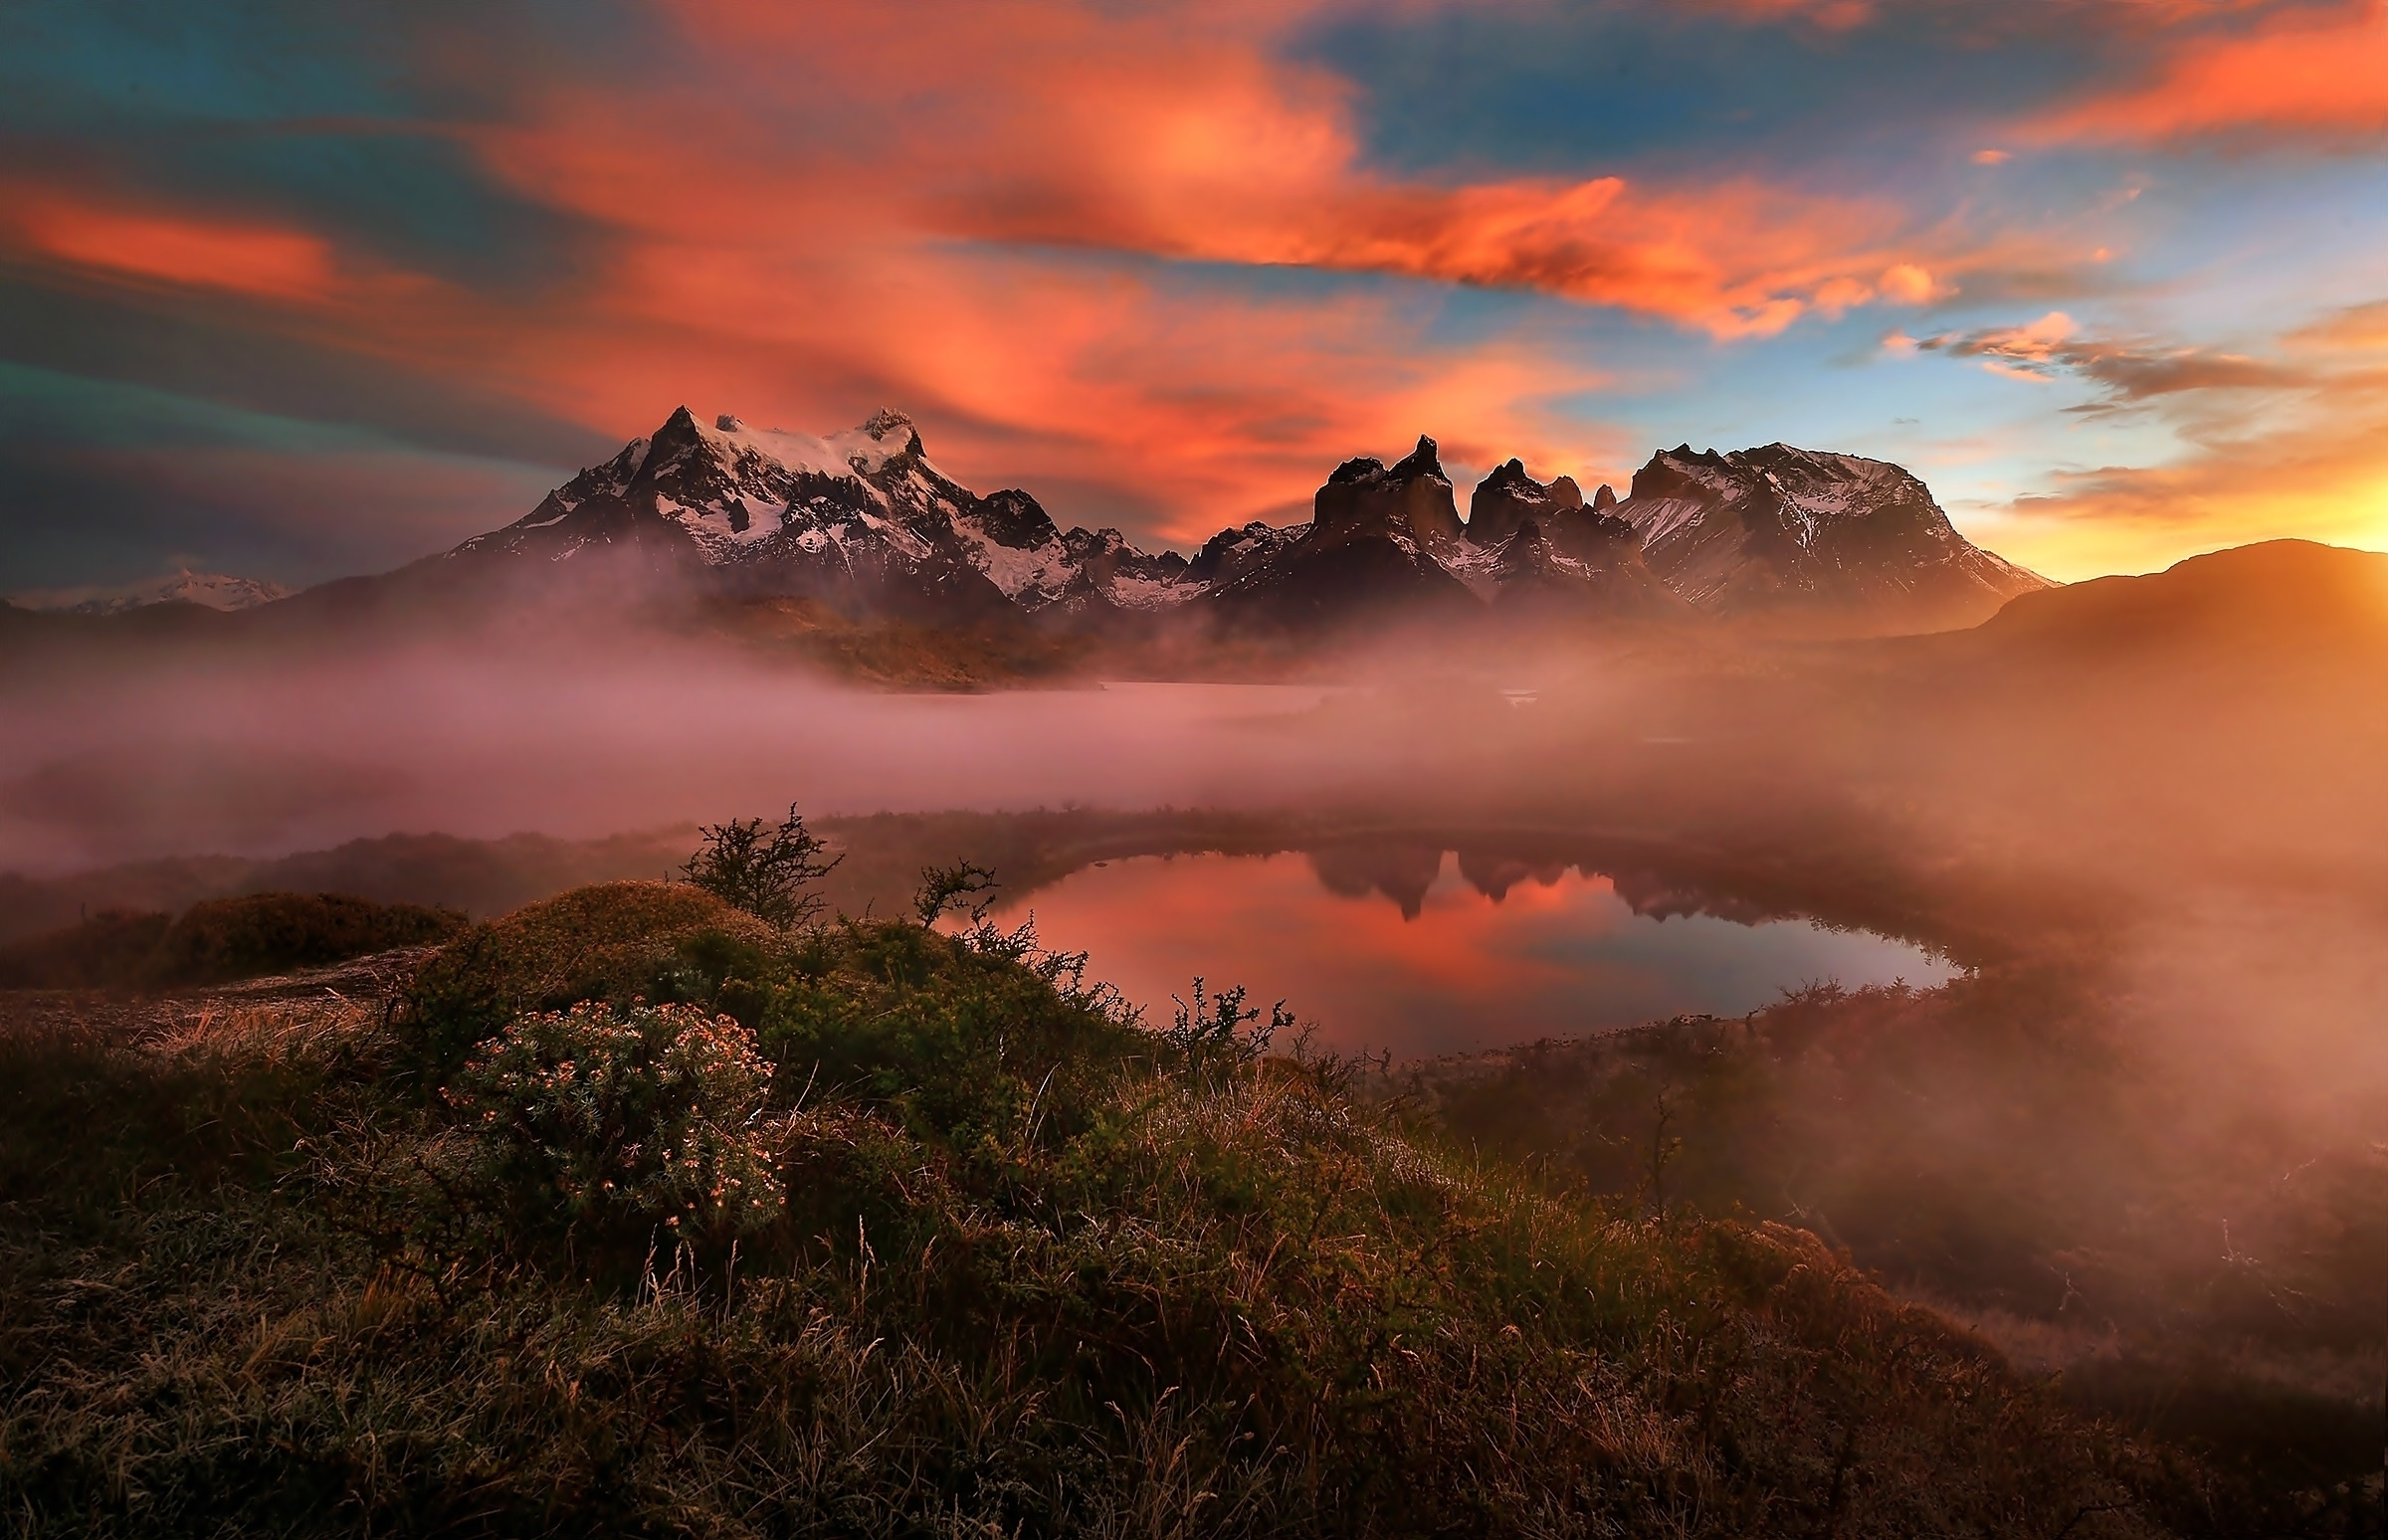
<point x="1434" y="959"/>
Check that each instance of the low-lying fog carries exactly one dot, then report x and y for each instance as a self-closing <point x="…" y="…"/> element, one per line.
<point x="216" y="756"/>
<point x="1971" y="804"/>
<point x="2181" y="855"/>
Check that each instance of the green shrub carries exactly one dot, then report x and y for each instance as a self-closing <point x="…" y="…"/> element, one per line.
<point x="764" y="871"/>
<point x="223" y="939"/>
<point x="605" y="1127"/>
<point x="220" y="940"/>
<point x="614" y="941"/>
<point x="962" y="1037"/>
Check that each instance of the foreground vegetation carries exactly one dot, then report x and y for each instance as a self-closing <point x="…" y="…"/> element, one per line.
<point x="2003" y="1148"/>
<point x="217" y="940"/>
<point x="636" y="1215"/>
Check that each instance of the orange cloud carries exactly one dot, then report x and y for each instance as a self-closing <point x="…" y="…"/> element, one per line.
<point x="926" y="255"/>
<point x="1736" y="260"/>
<point x="1176" y="134"/>
<point x="2129" y="371"/>
<point x="2125" y="519"/>
<point x="1206" y="409"/>
<point x="2296" y="76"/>
<point x="2357" y="329"/>
<point x="815" y="212"/>
<point x="257" y="260"/>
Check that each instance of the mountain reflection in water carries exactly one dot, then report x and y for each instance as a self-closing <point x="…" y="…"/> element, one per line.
<point x="1418" y="949"/>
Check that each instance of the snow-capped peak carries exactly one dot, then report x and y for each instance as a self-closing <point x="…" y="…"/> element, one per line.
<point x="847" y="513"/>
<point x="208" y="590"/>
<point x="1775" y="523"/>
<point x="863" y="451"/>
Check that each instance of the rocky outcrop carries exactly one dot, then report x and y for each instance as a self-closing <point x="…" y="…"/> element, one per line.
<point x="1780" y="528"/>
<point x="1582" y="563"/>
<point x="1410" y="500"/>
<point x="1319" y="583"/>
<point x="1375" y="550"/>
<point x="1508" y="497"/>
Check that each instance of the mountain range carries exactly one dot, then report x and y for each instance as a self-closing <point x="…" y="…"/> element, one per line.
<point x="864" y="522"/>
<point x="861" y="528"/>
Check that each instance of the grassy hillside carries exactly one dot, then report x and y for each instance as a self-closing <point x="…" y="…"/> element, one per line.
<point x="217" y="940"/>
<point x="877" y="1230"/>
<point x="2005" y="1149"/>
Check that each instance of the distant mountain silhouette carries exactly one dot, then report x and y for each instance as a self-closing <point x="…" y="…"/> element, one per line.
<point x="864" y="526"/>
<point x="864" y="522"/>
<point x="2279" y="595"/>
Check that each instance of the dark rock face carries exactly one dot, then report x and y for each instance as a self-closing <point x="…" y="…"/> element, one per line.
<point x="1575" y="562"/>
<point x="1508" y="497"/>
<point x="1378" y="549"/>
<point x="1013" y="519"/>
<point x="1231" y="554"/>
<point x="1548" y="552"/>
<point x="1604" y="499"/>
<point x="1109" y="580"/>
<point x="1411" y="499"/>
<point x="1319" y="584"/>
<point x="1778" y="527"/>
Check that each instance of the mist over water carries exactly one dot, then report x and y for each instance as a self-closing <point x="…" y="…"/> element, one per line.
<point x="111" y="766"/>
<point x="2035" y="802"/>
<point x="2147" y="863"/>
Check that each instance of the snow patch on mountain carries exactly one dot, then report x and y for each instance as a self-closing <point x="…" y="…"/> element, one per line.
<point x="860" y="517"/>
<point x="864" y="520"/>
<point x="1777" y="526"/>
<point x="208" y="590"/>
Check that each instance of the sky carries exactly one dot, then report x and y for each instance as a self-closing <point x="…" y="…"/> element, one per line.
<point x="296" y="288"/>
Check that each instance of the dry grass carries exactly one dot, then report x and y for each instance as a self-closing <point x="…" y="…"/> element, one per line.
<point x="1035" y="1277"/>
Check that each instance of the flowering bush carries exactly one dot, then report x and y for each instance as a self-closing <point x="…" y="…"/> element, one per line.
<point x="614" y="941"/>
<point x="616" y="1123"/>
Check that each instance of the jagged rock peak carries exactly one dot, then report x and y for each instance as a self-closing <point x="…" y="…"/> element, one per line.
<point x="1684" y="473"/>
<point x="1012" y="518"/>
<point x="1505" y="500"/>
<point x="886" y="420"/>
<point x="1409" y="500"/>
<point x="1425" y="459"/>
<point x="1605" y="498"/>
<point x="1230" y="553"/>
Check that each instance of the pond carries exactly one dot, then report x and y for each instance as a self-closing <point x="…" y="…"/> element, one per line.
<point x="1428" y="952"/>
